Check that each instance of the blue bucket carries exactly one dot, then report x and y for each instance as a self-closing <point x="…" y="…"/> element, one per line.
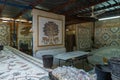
<point x="101" y="74"/>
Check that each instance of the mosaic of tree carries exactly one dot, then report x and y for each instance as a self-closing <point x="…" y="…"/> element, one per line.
<point x="51" y="32"/>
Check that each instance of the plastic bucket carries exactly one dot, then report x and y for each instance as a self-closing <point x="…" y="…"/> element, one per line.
<point x="47" y="61"/>
<point x="1" y="47"/>
<point x="114" y="63"/>
<point x="101" y="74"/>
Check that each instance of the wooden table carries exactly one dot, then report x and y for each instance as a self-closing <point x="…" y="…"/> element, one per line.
<point x="71" y="56"/>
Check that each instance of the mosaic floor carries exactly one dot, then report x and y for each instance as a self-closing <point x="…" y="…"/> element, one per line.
<point x="18" y="68"/>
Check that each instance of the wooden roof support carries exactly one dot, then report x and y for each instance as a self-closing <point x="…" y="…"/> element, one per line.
<point x="33" y="4"/>
<point x="2" y="7"/>
<point x="108" y="13"/>
<point x="21" y="13"/>
<point x="75" y="20"/>
<point x="60" y="7"/>
<point x="79" y="8"/>
<point x="105" y="7"/>
<point x="108" y="2"/>
<point x="115" y="1"/>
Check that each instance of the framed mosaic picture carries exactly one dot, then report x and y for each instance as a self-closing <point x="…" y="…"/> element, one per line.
<point x="50" y="31"/>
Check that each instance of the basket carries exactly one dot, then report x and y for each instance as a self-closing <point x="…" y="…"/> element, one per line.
<point x="115" y="66"/>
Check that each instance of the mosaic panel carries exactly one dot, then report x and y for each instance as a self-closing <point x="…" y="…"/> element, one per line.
<point x="105" y="36"/>
<point x="4" y="34"/>
<point x="107" y="33"/>
<point x="119" y="36"/>
<point x="19" y="66"/>
<point x="114" y="29"/>
<point x="84" y="38"/>
<point x="99" y="30"/>
<point x="114" y="43"/>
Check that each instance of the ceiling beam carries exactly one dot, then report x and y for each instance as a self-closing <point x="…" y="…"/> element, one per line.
<point x="2" y="7"/>
<point x="80" y="8"/>
<point x="115" y="1"/>
<point x="111" y="13"/>
<point x="89" y="1"/>
<point x="32" y="4"/>
<point x="98" y="9"/>
<point x="15" y="5"/>
<point x="75" y="20"/>
<point x="60" y="7"/>
<point x="108" y="2"/>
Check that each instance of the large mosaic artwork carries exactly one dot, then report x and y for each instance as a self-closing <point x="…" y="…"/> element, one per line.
<point x="49" y="32"/>
<point x="4" y="34"/>
<point x="15" y="67"/>
<point x="84" y="38"/>
<point x="107" y="36"/>
<point x="107" y="33"/>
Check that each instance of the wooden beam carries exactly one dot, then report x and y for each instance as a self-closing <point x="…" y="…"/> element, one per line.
<point x="108" y="3"/>
<point x="75" y="20"/>
<point x="14" y="4"/>
<point x="21" y="13"/>
<point x="103" y="8"/>
<point x="115" y="1"/>
<point x="111" y="13"/>
<point x="2" y="7"/>
<point x="77" y="8"/>
<point x="60" y="7"/>
<point x="69" y="18"/>
<point x="33" y="4"/>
